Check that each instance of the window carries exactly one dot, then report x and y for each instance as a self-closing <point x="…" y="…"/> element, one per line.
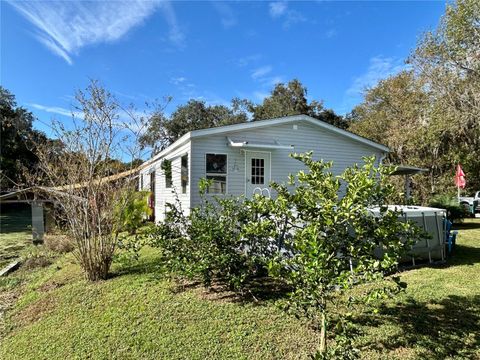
<point x="216" y="171"/>
<point x="184" y="173"/>
<point x="152" y="195"/>
<point x="166" y="166"/>
<point x="168" y="180"/>
<point x="258" y="171"/>
<point x="152" y="181"/>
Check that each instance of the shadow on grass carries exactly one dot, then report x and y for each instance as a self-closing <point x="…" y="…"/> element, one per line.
<point x="464" y="255"/>
<point x="461" y="255"/>
<point x="259" y="291"/>
<point x="437" y="329"/>
<point x="15" y="218"/>
<point x="150" y="265"/>
<point x="470" y="225"/>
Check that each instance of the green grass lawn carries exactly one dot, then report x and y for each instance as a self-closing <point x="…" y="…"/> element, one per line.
<point x="439" y="315"/>
<point x="55" y="314"/>
<point x="15" y="232"/>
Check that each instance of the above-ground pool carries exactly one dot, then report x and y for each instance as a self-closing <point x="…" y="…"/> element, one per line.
<point x="432" y="220"/>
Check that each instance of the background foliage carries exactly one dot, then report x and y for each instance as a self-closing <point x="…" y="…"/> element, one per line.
<point x="17" y="137"/>
<point x="284" y="100"/>
<point x="429" y="113"/>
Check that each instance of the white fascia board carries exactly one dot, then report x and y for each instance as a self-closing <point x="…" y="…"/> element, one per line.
<point x="183" y="140"/>
<point x="247" y="126"/>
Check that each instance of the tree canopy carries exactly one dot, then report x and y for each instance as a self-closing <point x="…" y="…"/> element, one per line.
<point x="194" y="115"/>
<point x="17" y="136"/>
<point x="291" y="99"/>
<point x="429" y="115"/>
<point x="284" y="100"/>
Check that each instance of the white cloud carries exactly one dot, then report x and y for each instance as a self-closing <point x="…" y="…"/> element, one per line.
<point x="176" y="35"/>
<point x="280" y="10"/>
<point x="227" y="16"/>
<point x="178" y="80"/>
<point x="65" y="27"/>
<point x="57" y="110"/>
<point x="277" y="8"/>
<point x="55" y="48"/>
<point x="260" y="95"/>
<point x="184" y="87"/>
<point x="379" y="68"/>
<point x="246" y="60"/>
<point x="265" y="81"/>
<point x="260" y="72"/>
<point x="127" y="119"/>
<point x="274" y="80"/>
<point x="330" y="33"/>
<point x="263" y="76"/>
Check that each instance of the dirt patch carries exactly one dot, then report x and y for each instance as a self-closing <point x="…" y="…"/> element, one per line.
<point x="217" y="292"/>
<point x="36" y="311"/>
<point x="7" y="300"/>
<point x="258" y="291"/>
<point x="37" y="262"/>
<point x="58" y="243"/>
<point x="49" y="286"/>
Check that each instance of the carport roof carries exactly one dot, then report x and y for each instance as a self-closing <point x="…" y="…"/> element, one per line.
<point x="408" y="170"/>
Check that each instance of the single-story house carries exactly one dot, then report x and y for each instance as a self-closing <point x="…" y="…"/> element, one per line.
<point x="242" y="159"/>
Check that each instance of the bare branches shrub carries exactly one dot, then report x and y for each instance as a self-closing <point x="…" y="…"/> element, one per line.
<point x="85" y="176"/>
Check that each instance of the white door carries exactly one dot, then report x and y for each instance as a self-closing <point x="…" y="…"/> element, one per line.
<point x="257" y="173"/>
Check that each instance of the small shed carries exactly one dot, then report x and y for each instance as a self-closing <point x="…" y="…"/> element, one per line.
<point x="42" y="208"/>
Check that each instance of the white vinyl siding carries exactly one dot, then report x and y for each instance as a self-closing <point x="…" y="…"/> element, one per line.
<point x="304" y="135"/>
<point x="327" y="145"/>
<point x="164" y="195"/>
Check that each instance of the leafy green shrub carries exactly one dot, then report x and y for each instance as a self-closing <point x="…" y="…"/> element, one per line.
<point x="321" y="239"/>
<point x="129" y="245"/>
<point x="215" y="241"/>
<point x="455" y="211"/>
<point x="132" y="211"/>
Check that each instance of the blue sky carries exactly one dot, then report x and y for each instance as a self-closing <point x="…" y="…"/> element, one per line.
<point x="213" y="51"/>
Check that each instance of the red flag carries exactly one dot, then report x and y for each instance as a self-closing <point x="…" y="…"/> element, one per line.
<point x="460" y="177"/>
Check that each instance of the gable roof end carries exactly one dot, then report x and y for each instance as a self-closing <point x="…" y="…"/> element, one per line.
<point x="285" y="120"/>
<point x="265" y="123"/>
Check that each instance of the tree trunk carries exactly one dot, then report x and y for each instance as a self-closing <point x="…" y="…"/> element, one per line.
<point x="323" y="335"/>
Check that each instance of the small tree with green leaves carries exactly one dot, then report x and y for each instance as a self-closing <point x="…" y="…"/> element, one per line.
<point x="336" y="243"/>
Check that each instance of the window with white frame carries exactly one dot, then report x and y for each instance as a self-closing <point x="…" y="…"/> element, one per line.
<point x="216" y="172"/>
<point x="258" y="171"/>
<point x="184" y="173"/>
